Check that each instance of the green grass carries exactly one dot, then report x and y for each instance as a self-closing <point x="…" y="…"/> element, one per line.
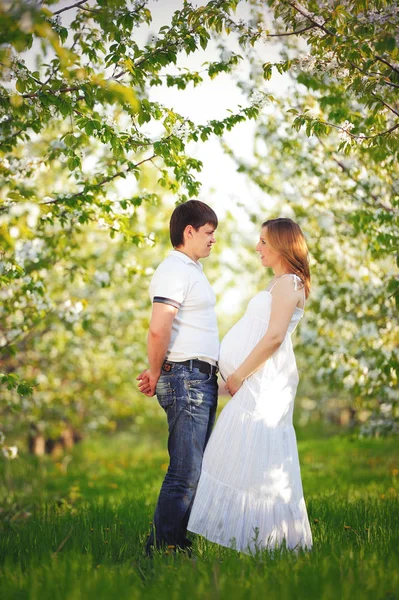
<point x="75" y="527"/>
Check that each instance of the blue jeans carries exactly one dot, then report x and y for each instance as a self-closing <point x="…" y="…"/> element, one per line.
<point x="189" y="398"/>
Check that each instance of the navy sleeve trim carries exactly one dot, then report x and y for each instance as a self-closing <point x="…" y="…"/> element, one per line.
<point x="169" y="301"/>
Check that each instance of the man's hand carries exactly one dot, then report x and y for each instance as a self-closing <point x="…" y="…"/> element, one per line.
<point x="147" y="382"/>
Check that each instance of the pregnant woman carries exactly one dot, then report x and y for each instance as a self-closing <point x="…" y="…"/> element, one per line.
<point x="250" y="493"/>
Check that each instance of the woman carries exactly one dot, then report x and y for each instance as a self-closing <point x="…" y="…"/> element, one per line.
<point x="250" y="494"/>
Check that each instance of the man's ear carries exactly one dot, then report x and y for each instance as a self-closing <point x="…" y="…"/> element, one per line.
<point x="188" y="232"/>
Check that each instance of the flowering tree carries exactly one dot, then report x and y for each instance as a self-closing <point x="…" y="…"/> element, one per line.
<point x="338" y="177"/>
<point x="80" y="119"/>
<point x="72" y="125"/>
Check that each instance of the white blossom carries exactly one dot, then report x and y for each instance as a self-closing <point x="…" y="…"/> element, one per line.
<point x="387" y="14"/>
<point x="10" y="452"/>
<point x="55" y="21"/>
<point x="102" y="278"/>
<point x="344" y="133"/>
<point x="326" y="221"/>
<point x="39" y="301"/>
<point x="58" y="145"/>
<point x="102" y="224"/>
<point x="5" y="267"/>
<point x="319" y="33"/>
<point x="70" y="311"/>
<point x="307" y="63"/>
<point x="258" y="98"/>
<point x="181" y="130"/>
<point x="30" y="208"/>
<point x="319" y="20"/>
<point x="28" y="250"/>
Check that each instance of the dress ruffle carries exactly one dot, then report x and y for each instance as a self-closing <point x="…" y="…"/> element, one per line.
<point x="250" y="492"/>
<point x="238" y="519"/>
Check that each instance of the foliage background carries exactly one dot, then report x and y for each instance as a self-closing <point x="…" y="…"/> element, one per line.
<point x="91" y="167"/>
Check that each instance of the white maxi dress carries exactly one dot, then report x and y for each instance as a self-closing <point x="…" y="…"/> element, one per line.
<point x="249" y="495"/>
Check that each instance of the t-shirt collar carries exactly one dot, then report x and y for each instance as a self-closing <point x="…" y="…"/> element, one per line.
<point x="185" y="258"/>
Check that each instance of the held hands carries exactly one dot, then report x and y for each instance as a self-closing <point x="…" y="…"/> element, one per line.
<point x="147" y="382"/>
<point x="233" y="383"/>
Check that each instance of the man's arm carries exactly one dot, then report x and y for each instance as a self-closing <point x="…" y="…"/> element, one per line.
<point x="159" y="335"/>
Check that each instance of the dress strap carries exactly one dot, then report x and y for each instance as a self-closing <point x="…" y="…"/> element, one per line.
<point x="297" y="280"/>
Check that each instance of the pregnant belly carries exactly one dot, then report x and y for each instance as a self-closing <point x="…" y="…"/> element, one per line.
<point x="238" y="343"/>
<point x="228" y="359"/>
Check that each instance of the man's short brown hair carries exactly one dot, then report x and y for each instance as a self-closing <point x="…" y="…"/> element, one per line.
<point x="192" y="212"/>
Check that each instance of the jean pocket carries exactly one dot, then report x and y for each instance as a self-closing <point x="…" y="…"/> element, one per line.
<point x="198" y="378"/>
<point x="198" y="390"/>
<point x="165" y="394"/>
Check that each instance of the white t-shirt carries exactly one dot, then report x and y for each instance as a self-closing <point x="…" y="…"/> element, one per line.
<point x="181" y="282"/>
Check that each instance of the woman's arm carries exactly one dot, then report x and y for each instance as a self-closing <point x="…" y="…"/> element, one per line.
<point x="284" y="301"/>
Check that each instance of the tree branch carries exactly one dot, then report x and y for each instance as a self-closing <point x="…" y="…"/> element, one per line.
<point x="111" y="177"/>
<point x="395" y="112"/>
<point x="346" y="170"/>
<point x="117" y="76"/>
<point x="310" y="17"/>
<point x="16" y="134"/>
<point x="360" y="136"/>
<point x="103" y="181"/>
<point x="291" y="32"/>
<point x="383" y="60"/>
<point x="58" y="12"/>
<point x="90" y="10"/>
<point x="382" y="80"/>
<point x="24" y="335"/>
<point x="61" y="91"/>
<point x="153" y="53"/>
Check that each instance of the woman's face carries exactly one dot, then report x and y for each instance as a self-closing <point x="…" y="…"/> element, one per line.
<point x="268" y="256"/>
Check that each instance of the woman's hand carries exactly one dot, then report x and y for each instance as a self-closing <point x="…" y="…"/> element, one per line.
<point x="233" y="383"/>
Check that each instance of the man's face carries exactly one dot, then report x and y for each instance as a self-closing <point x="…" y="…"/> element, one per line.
<point x="202" y="240"/>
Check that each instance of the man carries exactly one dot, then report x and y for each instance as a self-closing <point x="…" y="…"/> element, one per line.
<point x="183" y="349"/>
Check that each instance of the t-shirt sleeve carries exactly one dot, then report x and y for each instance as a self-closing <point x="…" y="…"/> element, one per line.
<point x="169" y="286"/>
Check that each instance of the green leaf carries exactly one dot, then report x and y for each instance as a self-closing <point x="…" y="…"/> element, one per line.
<point x="72" y="163"/>
<point x="20" y="86"/>
<point x="267" y="70"/>
<point x="69" y="140"/>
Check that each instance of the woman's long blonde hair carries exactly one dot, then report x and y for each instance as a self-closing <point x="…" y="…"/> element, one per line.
<point x="286" y="237"/>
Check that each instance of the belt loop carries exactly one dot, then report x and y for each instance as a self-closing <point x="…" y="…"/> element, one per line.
<point x="191" y="364"/>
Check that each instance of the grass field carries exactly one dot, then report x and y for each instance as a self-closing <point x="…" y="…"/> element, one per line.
<point x="74" y="528"/>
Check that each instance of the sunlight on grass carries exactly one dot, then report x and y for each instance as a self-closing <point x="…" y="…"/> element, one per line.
<point x="75" y="528"/>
